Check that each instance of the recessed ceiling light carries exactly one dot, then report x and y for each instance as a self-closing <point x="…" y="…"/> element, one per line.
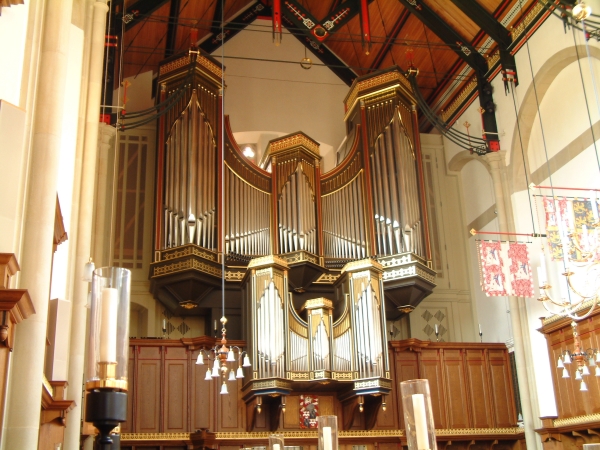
<point x="248" y="152"/>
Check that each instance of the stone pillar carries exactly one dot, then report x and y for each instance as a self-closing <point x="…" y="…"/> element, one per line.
<point x="84" y="223"/>
<point x="27" y="366"/>
<point x="497" y="163"/>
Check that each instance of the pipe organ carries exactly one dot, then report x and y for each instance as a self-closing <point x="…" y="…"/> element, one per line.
<point x="314" y="261"/>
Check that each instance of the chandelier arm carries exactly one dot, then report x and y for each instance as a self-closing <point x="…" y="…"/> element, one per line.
<point x="573" y="315"/>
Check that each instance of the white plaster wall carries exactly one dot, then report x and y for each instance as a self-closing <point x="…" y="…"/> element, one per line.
<point x="12" y="135"/>
<point x="479" y="190"/>
<point x="13" y="30"/>
<point x="280" y="96"/>
<point x="67" y="159"/>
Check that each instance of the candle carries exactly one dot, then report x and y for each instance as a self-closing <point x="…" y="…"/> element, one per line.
<point x="437" y="331"/>
<point x="480" y="332"/>
<point x="164" y="324"/>
<point x="215" y="327"/>
<point x="108" y="325"/>
<point x="418" y="401"/>
<point x="327" y="438"/>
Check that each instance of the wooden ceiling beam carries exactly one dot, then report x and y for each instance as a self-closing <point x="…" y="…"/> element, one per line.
<point x="141" y="9"/>
<point x="172" y="28"/>
<point x="447" y="34"/>
<point x="485" y="21"/>
<point x="215" y="27"/>
<point x="389" y="42"/>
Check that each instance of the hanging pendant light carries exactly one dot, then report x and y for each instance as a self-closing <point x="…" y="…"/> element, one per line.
<point x="567" y="359"/>
<point x="231" y="376"/>
<point x="565" y="373"/>
<point x="585" y="371"/>
<point x="200" y="360"/>
<point x="597" y="372"/>
<point x="224" y="390"/>
<point x="560" y="363"/>
<point x="583" y="386"/>
<point x="240" y="373"/>
<point x="577" y="375"/>
<point x="246" y="362"/>
<point x="208" y="377"/>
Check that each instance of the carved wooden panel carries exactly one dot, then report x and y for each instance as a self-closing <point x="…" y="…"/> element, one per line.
<point x="291" y="418"/>
<point x="478" y="385"/>
<point x="202" y="398"/>
<point x="231" y="408"/>
<point x="127" y="427"/>
<point x="176" y="398"/>
<point x="431" y="368"/>
<point x="456" y="392"/>
<point x="501" y="388"/>
<point x="148" y="402"/>
<point x="570" y="401"/>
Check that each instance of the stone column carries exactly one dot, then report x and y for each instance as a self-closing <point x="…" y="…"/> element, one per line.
<point x="84" y="223"/>
<point x="497" y="163"/>
<point x="27" y="365"/>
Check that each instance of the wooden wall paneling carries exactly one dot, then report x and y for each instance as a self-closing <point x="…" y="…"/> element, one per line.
<point x="431" y="368"/>
<point x="501" y="388"/>
<point x="555" y="348"/>
<point x="175" y="372"/>
<point x="389" y="419"/>
<point x="127" y="426"/>
<point x="231" y="408"/>
<point x="291" y="418"/>
<point x="591" y="406"/>
<point x="202" y="398"/>
<point x="406" y="366"/>
<point x="478" y="386"/>
<point x="457" y="402"/>
<point x="570" y="387"/>
<point x="148" y="402"/>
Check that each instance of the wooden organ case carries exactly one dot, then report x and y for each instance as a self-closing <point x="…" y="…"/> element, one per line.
<point x="314" y="262"/>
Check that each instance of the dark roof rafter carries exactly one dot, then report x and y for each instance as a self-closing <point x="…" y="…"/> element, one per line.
<point x="447" y="34"/>
<point x="486" y="21"/>
<point x="141" y="9"/>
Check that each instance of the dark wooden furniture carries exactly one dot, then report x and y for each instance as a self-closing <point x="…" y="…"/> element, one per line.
<point x="578" y="420"/>
<point x="172" y="407"/>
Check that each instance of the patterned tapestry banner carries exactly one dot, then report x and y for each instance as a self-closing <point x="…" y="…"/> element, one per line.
<point x="309" y="411"/>
<point x="565" y="216"/>
<point x="505" y="269"/>
<point x="493" y="282"/>
<point x="521" y="281"/>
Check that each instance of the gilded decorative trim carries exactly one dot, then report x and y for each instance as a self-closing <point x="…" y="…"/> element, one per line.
<point x="578" y="420"/>
<point x="529" y="18"/>
<point x="269" y="384"/>
<point x="362" y="264"/>
<point x="187" y="250"/>
<point x="266" y="261"/>
<point x="374" y="82"/>
<point x="258" y="435"/>
<point x="328" y="278"/>
<point x="342" y="376"/>
<point x="557" y="317"/>
<point x="300" y="256"/>
<point x="155" y="436"/>
<point x="234" y="275"/>
<point x="511" y="431"/>
<point x="493" y="59"/>
<point x="467" y="91"/>
<point x="320" y="302"/>
<point x="186" y="264"/>
<point x="377" y="382"/>
<point x="410" y="271"/>
<point x="302" y="376"/>
<point x="295" y="140"/>
<point x="173" y="65"/>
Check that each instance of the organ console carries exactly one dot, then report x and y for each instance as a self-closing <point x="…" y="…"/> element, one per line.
<point x="314" y="261"/>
